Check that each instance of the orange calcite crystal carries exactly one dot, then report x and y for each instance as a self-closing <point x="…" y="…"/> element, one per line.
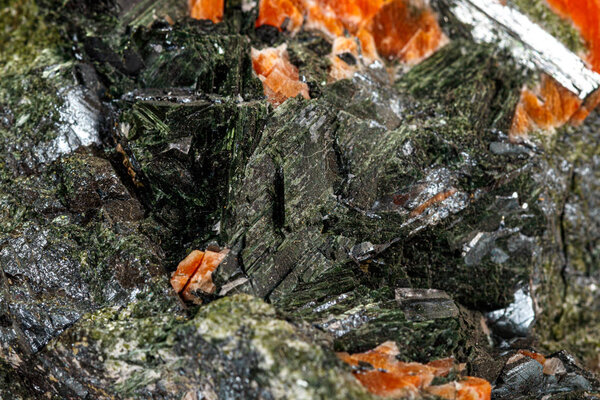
<point x="202" y="278"/>
<point x="344" y="58"/>
<point x="195" y="273"/>
<point x="404" y="32"/>
<point x="279" y="77"/>
<point x="392" y="378"/>
<point x="585" y="14"/>
<point x="322" y="17"/>
<point x="207" y="9"/>
<point x="282" y="14"/>
<point x="186" y="268"/>
<point x="354" y="14"/>
<point x="550" y="106"/>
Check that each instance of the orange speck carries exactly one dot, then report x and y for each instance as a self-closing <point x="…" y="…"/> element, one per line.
<point x="202" y="278"/>
<point x="207" y="9"/>
<point x="438" y="198"/>
<point x="186" y="268"/>
<point x="536" y="356"/>
<point x="279" y="77"/>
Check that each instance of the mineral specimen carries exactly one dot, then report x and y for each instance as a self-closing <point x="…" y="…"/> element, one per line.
<point x="390" y="211"/>
<point x="201" y="280"/>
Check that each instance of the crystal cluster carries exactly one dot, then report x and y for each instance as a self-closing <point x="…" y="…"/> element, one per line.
<point x="382" y="374"/>
<point x="394" y="29"/>
<point x="361" y="32"/>
<point x="548" y="106"/>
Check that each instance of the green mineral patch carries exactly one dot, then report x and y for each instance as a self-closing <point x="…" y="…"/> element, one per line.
<point x="239" y="338"/>
<point x="27" y="39"/>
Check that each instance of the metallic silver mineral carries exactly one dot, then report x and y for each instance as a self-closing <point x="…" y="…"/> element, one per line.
<point x="491" y="22"/>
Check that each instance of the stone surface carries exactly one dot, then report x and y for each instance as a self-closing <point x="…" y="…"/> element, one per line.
<point x="389" y="207"/>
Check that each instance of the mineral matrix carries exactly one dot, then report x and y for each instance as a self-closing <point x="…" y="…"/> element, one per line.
<point x="390" y="208"/>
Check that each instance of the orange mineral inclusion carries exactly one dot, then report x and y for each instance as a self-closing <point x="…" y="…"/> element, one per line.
<point x="536" y="356"/>
<point x="207" y="9"/>
<point x="194" y="273"/>
<point x="186" y="268"/>
<point x="344" y="68"/>
<point x="389" y="377"/>
<point x="279" y="77"/>
<point x="548" y="106"/>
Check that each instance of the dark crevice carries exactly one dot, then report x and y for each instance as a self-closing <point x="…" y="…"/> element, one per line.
<point x="342" y="164"/>
<point x="279" y="199"/>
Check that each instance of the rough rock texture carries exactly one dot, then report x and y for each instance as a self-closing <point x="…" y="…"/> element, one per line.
<point x="229" y="349"/>
<point x="383" y="209"/>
